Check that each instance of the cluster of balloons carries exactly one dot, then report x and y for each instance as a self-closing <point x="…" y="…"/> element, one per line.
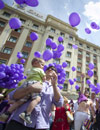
<point x="90" y="72"/>
<point x="11" y="75"/>
<point x="32" y="3"/>
<point x="55" y="51"/>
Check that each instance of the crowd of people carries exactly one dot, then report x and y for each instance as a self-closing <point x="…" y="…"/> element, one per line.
<point x="38" y="104"/>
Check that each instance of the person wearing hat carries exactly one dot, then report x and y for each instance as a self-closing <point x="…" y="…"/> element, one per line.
<point x="83" y="112"/>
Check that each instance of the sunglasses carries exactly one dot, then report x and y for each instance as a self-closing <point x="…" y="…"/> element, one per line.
<point x="52" y="69"/>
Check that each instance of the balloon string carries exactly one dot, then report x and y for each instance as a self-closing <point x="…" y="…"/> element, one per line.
<point x="4" y="39"/>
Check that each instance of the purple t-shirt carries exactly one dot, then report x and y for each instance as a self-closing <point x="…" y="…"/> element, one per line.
<point x="40" y="115"/>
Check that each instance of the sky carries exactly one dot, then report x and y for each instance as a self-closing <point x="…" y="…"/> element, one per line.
<point x="88" y="10"/>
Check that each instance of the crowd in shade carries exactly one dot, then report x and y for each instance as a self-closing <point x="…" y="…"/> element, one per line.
<point x="37" y="104"/>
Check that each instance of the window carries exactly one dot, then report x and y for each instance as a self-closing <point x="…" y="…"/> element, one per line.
<point x="28" y="44"/>
<point x="69" y="45"/>
<point x="95" y="81"/>
<point x="2" y="61"/>
<point x="51" y="37"/>
<point x="79" y="69"/>
<point x="70" y="38"/>
<point x="62" y="34"/>
<point x="95" y="73"/>
<point x="18" y="30"/>
<point x="80" y="44"/>
<point x="52" y="30"/>
<point x="2" y="24"/>
<point x="57" y="61"/>
<point x="67" y="74"/>
<point x="12" y="39"/>
<point x="65" y="87"/>
<point x="48" y="47"/>
<point x="7" y="50"/>
<point x="94" y="57"/>
<point x="79" y="60"/>
<point x="87" y="55"/>
<point x="88" y="47"/>
<point x="25" y="54"/>
<point x="35" y="26"/>
<point x="87" y="62"/>
<point x="78" y="78"/>
<point x="68" y="54"/>
<point x="79" y="52"/>
<point x="95" y="65"/>
<point x="68" y="63"/>
<point x="6" y="14"/>
<point x="22" y="20"/>
<point x="94" y="50"/>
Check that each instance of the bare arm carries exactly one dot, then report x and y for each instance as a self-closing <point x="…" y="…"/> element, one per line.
<point x="82" y="84"/>
<point x="20" y="93"/>
<point x="55" y="89"/>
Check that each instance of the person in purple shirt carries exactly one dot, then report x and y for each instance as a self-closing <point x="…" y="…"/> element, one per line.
<point x="40" y="115"/>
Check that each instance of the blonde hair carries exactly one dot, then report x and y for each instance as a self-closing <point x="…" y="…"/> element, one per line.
<point x="37" y="59"/>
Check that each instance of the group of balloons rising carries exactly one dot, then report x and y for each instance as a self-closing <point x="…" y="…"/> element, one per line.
<point x="11" y="75"/>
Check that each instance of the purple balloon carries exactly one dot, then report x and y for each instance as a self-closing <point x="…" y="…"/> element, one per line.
<point x="64" y="64"/>
<point x="75" y="46"/>
<point x="73" y="68"/>
<point x="60" y="87"/>
<point x="47" y="55"/>
<point x="49" y="42"/>
<point x="15" y="23"/>
<point x="20" y="1"/>
<point x="98" y="27"/>
<point x="60" y="39"/>
<point x="19" y="55"/>
<point x="90" y="73"/>
<point x="74" y="19"/>
<point x="37" y="54"/>
<point x="2" y="75"/>
<point x="33" y="36"/>
<point x="60" y="48"/>
<point x="91" y="66"/>
<point x="93" y="25"/>
<point x="1" y="4"/>
<point x="87" y="30"/>
<point x="88" y="82"/>
<point x="32" y="3"/>
<point x="53" y="45"/>
<point x="22" y="61"/>
<point x="75" y="79"/>
<point x="71" y="81"/>
<point x="77" y="87"/>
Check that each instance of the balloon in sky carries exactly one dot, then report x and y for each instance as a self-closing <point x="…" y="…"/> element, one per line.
<point x="15" y="23"/>
<point x="71" y="81"/>
<point x="74" y="19"/>
<point x="32" y="3"/>
<point x="47" y="55"/>
<point x="87" y="30"/>
<point x="60" y="87"/>
<point x="60" y="48"/>
<point x="60" y="39"/>
<point x="75" y="79"/>
<point x="64" y="64"/>
<point x="88" y="82"/>
<point x="37" y="54"/>
<point x="75" y="46"/>
<point x="90" y="73"/>
<point x="98" y="27"/>
<point x="53" y="45"/>
<point x="20" y="1"/>
<point x="77" y="87"/>
<point x="91" y="66"/>
<point x="1" y="4"/>
<point x="19" y="55"/>
<point x="33" y="36"/>
<point x="22" y="61"/>
<point x="93" y="25"/>
<point x="73" y="68"/>
<point x="48" y="41"/>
